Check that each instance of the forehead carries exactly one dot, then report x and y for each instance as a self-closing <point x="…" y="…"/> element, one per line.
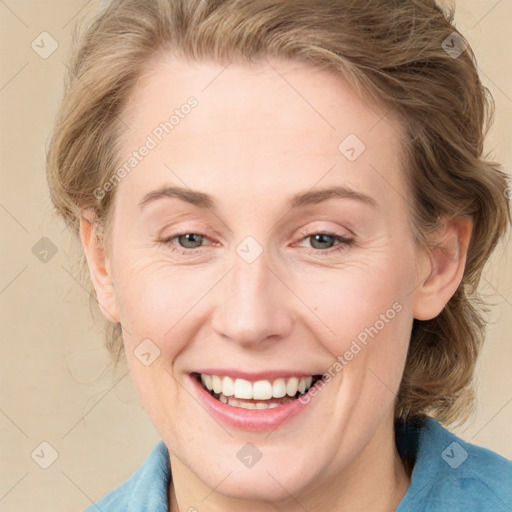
<point x="254" y="126"/>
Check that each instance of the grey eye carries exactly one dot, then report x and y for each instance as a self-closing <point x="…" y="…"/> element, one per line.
<point x="321" y="239"/>
<point x="191" y="240"/>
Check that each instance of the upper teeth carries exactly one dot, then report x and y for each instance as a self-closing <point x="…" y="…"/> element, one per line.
<point x="259" y="390"/>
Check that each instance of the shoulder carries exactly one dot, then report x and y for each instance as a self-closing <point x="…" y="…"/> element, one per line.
<point x="452" y="474"/>
<point x="145" y="490"/>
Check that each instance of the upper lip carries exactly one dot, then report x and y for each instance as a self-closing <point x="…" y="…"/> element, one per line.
<point x="255" y="376"/>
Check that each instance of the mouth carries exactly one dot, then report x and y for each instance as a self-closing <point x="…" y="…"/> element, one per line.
<point x="260" y="394"/>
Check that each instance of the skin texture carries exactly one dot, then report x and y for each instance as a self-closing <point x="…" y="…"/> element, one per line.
<point x="259" y="135"/>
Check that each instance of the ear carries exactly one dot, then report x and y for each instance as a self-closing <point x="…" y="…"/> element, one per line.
<point x="445" y="265"/>
<point x="99" y="265"/>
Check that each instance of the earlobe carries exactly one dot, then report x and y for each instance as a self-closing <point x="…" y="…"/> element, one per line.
<point x="99" y="266"/>
<point x="444" y="268"/>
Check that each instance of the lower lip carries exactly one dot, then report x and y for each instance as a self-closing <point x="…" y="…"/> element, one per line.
<point x="249" y="419"/>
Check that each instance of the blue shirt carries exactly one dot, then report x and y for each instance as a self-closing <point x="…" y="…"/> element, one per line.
<point x="449" y="475"/>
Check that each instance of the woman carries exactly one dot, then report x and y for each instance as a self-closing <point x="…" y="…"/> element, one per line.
<point x="285" y="213"/>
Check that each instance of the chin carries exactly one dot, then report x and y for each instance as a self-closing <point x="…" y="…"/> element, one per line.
<point x="268" y="487"/>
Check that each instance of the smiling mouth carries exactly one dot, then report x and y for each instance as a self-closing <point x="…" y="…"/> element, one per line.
<point x="261" y="394"/>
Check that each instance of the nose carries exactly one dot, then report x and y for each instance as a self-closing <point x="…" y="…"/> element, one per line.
<point x="254" y="306"/>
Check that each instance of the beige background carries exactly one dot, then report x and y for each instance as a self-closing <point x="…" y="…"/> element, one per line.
<point x="55" y="384"/>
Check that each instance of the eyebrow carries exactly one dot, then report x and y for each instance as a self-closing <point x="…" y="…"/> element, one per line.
<point x="202" y="200"/>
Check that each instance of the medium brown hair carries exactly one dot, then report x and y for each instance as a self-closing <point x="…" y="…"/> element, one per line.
<point x="392" y="52"/>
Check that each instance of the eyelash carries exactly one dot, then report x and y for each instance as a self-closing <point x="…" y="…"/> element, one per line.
<point x="342" y="245"/>
<point x="344" y="242"/>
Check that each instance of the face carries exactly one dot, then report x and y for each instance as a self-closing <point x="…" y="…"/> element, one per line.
<point x="266" y="279"/>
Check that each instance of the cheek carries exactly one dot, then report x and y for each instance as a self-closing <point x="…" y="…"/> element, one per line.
<point x="350" y="301"/>
<point x="364" y="319"/>
<point x="153" y="299"/>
